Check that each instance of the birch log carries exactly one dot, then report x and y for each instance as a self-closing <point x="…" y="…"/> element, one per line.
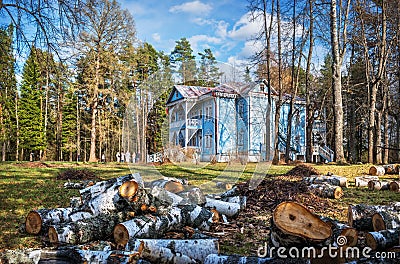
<point x="165" y="256"/>
<point x="149" y="226"/>
<point x="193" y="196"/>
<point x="99" y="227"/>
<point x="390" y="169"/>
<point x="196" y="249"/>
<point x="362" y="181"/>
<point x="378" y="185"/>
<point x="326" y="190"/>
<point x="394" y="186"/>
<point x="241" y="200"/>
<point x="386" y="219"/>
<point x="294" y="225"/>
<point x="38" y="221"/>
<point x="383" y="239"/>
<point x="226" y="208"/>
<point x="342" y="230"/>
<point x="168" y="184"/>
<point x="360" y="216"/>
<point x="331" y="179"/>
<point x="377" y="171"/>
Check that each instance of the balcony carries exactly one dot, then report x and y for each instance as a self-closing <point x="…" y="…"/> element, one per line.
<point x="193" y="124"/>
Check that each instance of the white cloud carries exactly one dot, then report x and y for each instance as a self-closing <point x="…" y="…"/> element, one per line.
<point x="156" y="37"/>
<point x="245" y="29"/>
<point x="196" y="40"/>
<point x="195" y="7"/>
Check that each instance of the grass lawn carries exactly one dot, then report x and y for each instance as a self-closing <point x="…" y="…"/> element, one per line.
<point x="25" y="186"/>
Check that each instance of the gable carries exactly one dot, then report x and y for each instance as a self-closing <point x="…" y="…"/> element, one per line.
<point x="174" y="96"/>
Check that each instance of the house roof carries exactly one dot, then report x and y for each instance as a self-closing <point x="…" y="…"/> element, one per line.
<point x="192" y="91"/>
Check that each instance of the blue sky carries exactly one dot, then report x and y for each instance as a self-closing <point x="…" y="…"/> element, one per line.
<point x="223" y="26"/>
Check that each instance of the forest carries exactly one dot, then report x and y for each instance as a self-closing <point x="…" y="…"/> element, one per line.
<point x="89" y="85"/>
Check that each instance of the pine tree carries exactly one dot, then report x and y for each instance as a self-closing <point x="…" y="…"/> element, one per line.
<point x="183" y="59"/>
<point x="209" y="72"/>
<point x="69" y="132"/>
<point x="30" y="113"/>
<point x="8" y="92"/>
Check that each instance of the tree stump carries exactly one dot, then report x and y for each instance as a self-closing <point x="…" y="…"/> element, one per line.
<point x="294" y="225"/>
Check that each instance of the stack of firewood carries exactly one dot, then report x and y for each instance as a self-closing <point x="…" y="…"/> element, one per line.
<point x="326" y="186"/>
<point x="373" y="182"/>
<point x="138" y="216"/>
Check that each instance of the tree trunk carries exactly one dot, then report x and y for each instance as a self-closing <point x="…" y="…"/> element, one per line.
<point x="148" y="226"/>
<point x="99" y="227"/>
<point x="386" y="219"/>
<point x="326" y="190"/>
<point x="38" y="221"/>
<point x="241" y="200"/>
<point x="337" y="57"/>
<point x="294" y="225"/>
<point x="195" y="249"/>
<point x="94" y="105"/>
<point x="377" y="170"/>
<point x="378" y="185"/>
<point x="332" y="180"/>
<point x="382" y="240"/>
<point x="360" y="216"/>
<point x="362" y="181"/>
<point x="390" y="169"/>
<point x="194" y="196"/>
<point x="340" y="229"/>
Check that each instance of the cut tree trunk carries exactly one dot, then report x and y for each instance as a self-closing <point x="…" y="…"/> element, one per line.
<point x="377" y="171"/>
<point x="173" y="186"/>
<point x="378" y="185"/>
<point x="114" y="195"/>
<point x="390" y="169"/>
<point x="165" y="255"/>
<point x="360" y="216"/>
<point x="241" y="200"/>
<point x="383" y="239"/>
<point x="232" y="192"/>
<point x="226" y="208"/>
<point x="294" y="225"/>
<point x="340" y="229"/>
<point x="386" y="219"/>
<point x="38" y="221"/>
<point x="78" y="185"/>
<point x="362" y="181"/>
<point x="194" y="196"/>
<point x="224" y="185"/>
<point x="394" y="186"/>
<point x="229" y="259"/>
<point x="326" y="190"/>
<point x="99" y="227"/>
<point x="331" y="179"/>
<point x="196" y="249"/>
<point x="149" y="226"/>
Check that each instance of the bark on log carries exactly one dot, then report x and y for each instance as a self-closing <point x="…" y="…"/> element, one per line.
<point x="344" y="230"/>
<point x="376" y="171"/>
<point x="331" y="179"/>
<point x="99" y="227"/>
<point x="148" y="226"/>
<point x="362" y="181"/>
<point x="114" y="195"/>
<point x="224" y="185"/>
<point x="326" y="190"/>
<point x="394" y="186"/>
<point x="390" y="169"/>
<point x="196" y="249"/>
<point x="386" y="219"/>
<point x="173" y="186"/>
<point x="241" y="200"/>
<point x="166" y="256"/>
<point x="229" y="193"/>
<point x="226" y="208"/>
<point x="229" y="259"/>
<point x="378" y="185"/>
<point x="194" y="196"/>
<point x="38" y="221"/>
<point x="383" y="239"/>
<point x="78" y="185"/>
<point x="360" y="216"/>
<point x="294" y="225"/>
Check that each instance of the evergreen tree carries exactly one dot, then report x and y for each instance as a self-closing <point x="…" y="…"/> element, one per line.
<point x="7" y="92"/>
<point x="30" y="113"/>
<point x="69" y="131"/>
<point x="183" y="59"/>
<point x="209" y="73"/>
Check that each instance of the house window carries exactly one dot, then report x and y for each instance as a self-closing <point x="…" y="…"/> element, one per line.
<point x="241" y="138"/>
<point x="262" y="87"/>
<point x="176" y="94"/>
<point x="208" y="139"/>
<point x="208" y="111"/>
